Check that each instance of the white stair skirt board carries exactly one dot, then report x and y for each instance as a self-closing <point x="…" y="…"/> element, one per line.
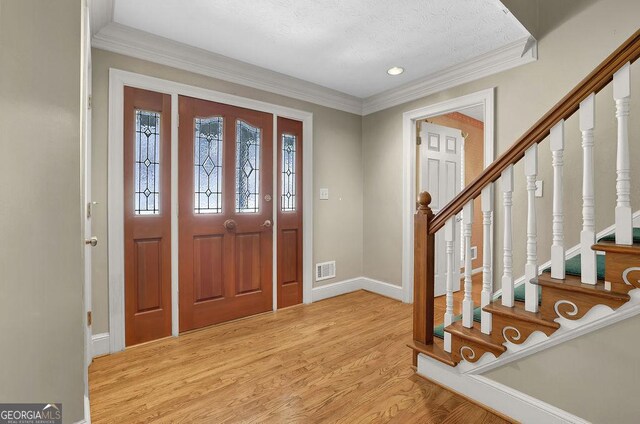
<point x="355" y="284"/>
<point x="503" y="399"/>
<point x="100" y="344"/>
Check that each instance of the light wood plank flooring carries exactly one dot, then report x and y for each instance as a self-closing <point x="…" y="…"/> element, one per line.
<point x="342" y="360"/>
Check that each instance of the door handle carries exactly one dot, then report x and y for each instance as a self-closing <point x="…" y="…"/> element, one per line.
<point x="230" y="224"/>
<point x="93" y="241"/>
<point x="266" y="223"/>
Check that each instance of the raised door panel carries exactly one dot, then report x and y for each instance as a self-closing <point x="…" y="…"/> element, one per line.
<point x="148" y="281"/>
<point x="290" y="258"/>
<point x="248" y="263"/>
<point x="208" y="268"/>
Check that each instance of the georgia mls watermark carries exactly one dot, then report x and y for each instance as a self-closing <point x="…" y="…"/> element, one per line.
<point x="30" y="413"/>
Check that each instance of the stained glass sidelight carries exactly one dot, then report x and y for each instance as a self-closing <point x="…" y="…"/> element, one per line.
<point x="208" y="164"/>
<point x="147" y="163"/>
<point x="288" y="199"/>
<point x="247" y="167"/>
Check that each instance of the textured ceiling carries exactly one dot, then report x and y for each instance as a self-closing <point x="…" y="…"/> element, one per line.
<point x="343" y="45"/>
<point x="475" y="112"/>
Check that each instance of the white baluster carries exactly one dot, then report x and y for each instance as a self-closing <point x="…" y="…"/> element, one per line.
<point x="557" y="248"/>
<point x="487" y="271"/>
<point x="467" y="302"/>
<point x="531" y="267"/>
<point x="449" y="233"/>
<point x="588" y="234"/>
<point x="621" y="94"/>
<point x="507" y="273"/>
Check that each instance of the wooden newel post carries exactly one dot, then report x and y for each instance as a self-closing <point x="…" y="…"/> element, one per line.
<point x="423" y="272"/>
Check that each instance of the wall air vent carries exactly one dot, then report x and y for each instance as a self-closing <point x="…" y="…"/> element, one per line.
<point x="325" y="270"/>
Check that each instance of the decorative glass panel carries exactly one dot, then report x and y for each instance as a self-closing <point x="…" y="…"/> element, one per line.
<point x="288" y="173"/>
<point x="147" y="163"/>
<point x="208" y="164"/>
<point x="247" y="167"/>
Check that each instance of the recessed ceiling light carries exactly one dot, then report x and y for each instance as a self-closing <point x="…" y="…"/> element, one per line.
<point x="396" y="70"/>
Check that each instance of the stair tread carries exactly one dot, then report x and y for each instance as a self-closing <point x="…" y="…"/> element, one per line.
<point x="573" y="266"/>
<point x="474" y="334"/>
<point x="435" y="351"/>
<point x="612" y="236"/>
<point x="438" y="330"/>
<point x="611" y="246"/>
<point x="574" y="284"/>
<point x="518" y="312"/>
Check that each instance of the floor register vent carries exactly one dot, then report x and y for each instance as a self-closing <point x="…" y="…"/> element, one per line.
<point x="325" y="270"/>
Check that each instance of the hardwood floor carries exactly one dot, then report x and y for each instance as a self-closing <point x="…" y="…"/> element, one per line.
<point x="342" y="360"/>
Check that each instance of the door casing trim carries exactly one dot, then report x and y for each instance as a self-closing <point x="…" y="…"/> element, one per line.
<point x="117" y="80"/>
<point x="484" y="98"/>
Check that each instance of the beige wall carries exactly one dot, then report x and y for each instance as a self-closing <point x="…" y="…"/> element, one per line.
<point x="41" y="306"/>
<point x="576" y="38"/>
<point x="594" y="376"/>
<point x="337" y="158"/>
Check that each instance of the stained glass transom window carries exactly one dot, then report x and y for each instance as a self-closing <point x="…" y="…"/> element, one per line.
<point x="147" y="163"/>
<point x="208" y="143"/>
<point x="248" y="140"/>
<point x="288" y="197"/>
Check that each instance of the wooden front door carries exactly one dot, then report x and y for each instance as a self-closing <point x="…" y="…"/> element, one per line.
<point x="225" y="212"/>
<point x="289" y="212"/>
<point x="147" y="215"/>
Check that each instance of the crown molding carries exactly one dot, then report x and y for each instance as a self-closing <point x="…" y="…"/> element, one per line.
<point x="101" y="12"/>
<point x="143" y="45"/>
<point x="128" y="41"/>
<point x="515" y="54"/>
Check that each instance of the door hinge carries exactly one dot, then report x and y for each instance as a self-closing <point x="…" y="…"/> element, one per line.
<point x="89" y="102"/>
<point x="89" y="319"/>
<point x="90" y="206"/>
<point x="418" y="129"/>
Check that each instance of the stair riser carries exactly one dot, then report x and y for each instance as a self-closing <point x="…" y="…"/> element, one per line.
<point x="468" y="350"/>
<point x="616" y="266"/>
<point x="515" y="331"/>
<point x="561" y="303"/>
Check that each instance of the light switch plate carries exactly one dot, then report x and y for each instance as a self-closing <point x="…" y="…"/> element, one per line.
<point x="539" y="188"/>
<point x="324" y="194"/>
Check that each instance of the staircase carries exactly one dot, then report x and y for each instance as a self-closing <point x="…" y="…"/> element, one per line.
<point x="567" y="298"/>
<point x="604" y="273"/>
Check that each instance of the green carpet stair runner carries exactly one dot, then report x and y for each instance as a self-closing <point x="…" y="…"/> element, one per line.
<point x="572" y="267"/>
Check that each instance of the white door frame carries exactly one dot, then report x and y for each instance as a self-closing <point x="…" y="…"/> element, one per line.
<point x="117" y="81"/>
<point x="85" y="121"/>
<point x="483" y="98"/>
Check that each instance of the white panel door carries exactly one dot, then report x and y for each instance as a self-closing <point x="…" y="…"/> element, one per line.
<point x="440" y="175"/>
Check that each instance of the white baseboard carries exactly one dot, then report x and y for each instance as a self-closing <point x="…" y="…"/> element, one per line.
<point x="382" y="288"/>
<point x="87" y="413"/>
<point x="355" y="284"/>
<point x="335" y="289"/>
<point x="499" y="397"/>
<point x="100" y="344"/>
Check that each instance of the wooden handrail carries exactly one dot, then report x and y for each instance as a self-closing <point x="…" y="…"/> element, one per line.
<point x="629" y="51"/>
